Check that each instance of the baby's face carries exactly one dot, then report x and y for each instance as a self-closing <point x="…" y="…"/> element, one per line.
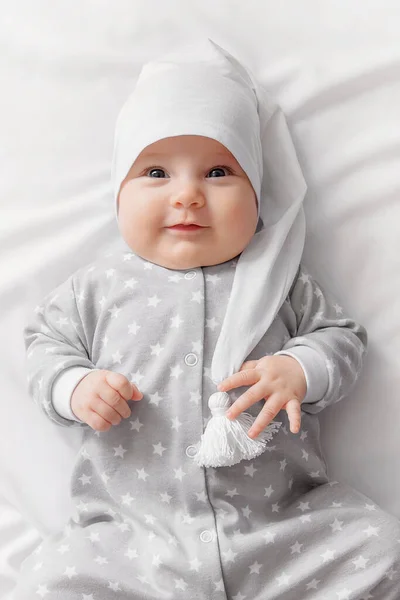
<point x="186" y="203"/>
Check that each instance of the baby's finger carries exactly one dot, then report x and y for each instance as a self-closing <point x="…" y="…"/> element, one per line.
<point x="123" y="386"/>
<point x="114" y="400"/>
<point x="108" y="413"/>
<point x="97" y="422"/>
<point x="250" y="364"/>
<point x="256" y="393"/>
<point x="248" y="377"/>
<point x="269" y="411"/>
<point x="293" y="409"/>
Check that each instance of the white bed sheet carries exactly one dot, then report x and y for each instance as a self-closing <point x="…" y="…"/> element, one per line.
<point x="335" y="70"/>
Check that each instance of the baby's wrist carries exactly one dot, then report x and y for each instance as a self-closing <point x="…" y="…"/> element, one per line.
<point x="314" y="370"/>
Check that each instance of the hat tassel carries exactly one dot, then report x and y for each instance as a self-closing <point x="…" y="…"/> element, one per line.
<point x="226" y="442"/>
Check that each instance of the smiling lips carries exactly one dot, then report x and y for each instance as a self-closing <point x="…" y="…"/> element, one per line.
<point x="188" y="227"/>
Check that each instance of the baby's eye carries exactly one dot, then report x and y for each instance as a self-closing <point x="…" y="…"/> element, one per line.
<point x="219" y="172"/>
<point x="157" y="173"/>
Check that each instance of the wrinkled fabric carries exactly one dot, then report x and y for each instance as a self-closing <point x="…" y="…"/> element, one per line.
<point x="146" y="522"/>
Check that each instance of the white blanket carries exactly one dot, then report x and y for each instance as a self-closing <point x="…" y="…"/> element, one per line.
<point x="65" y="71"/>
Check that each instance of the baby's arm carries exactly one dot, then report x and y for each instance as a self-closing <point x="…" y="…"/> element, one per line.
<point x="55" y="340"/>
<point x="322" y="327"/>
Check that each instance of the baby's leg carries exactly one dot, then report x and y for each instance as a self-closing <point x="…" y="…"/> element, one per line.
<point x="354" y="547"/>
<point x="96" y="562"/>
<point x="329" y="542"/>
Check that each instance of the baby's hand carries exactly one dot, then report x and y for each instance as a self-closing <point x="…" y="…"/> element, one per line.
<point x="277" y="379"/>
<point x="100" y="399"/>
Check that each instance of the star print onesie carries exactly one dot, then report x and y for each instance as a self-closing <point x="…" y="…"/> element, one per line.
<point x="146" y="521"/>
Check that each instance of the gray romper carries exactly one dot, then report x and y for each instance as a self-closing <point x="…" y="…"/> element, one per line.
<point x="147" y="523"/>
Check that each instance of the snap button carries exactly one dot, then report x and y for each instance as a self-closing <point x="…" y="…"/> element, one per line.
<point x="191" y="359"/>
<point x="191" y="451"/>
<point x="206" y="536"/>
<point x="190" y="275"/>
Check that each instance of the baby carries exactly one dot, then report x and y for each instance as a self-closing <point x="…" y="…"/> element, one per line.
<point x="206" y="293"/>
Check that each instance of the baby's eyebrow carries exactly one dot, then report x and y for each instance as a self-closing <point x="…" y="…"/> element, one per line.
<point x="152" y="155"/>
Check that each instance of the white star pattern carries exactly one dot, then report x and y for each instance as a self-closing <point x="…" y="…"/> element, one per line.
<point x="269" y="537"/>
<point x="156" y="561"/>
<point x="283" y="579"/>
<point x="255" y="568"/>
<point x="268" y="491"/>
<point x="179" y="474"/>
<point x="156" y="350"/>
<point x="371" y="531"/>
<point x="229" y="556"/>
<point x="213" y="279"/>
<point x="180" y="584"/>
<point x="155" y="399"/>
<point x="328" y="555"/>
<point x="211" y="323"/>
<point x="195" y="565"/>
<point x="114" y="586"/>
<point x="70" y="572"/>
<point x="296" y="548"/>
<point x="127" y="499"/>
<point x="195" y="397"/>
<point x="360" y="562"/>
<point x="336" y="525"/>
<point x="175" y="278"/>
<point x="197" y="297"/>
<point x="283" y="464"/>
<point x="136" y="425"/>
<point x="117" y="356"/>
<point x="137" y="377"/>
<point x="141" y="473"/>
<point x="176" y="371"/>
<point x="246" y="512"/>
<point x="42" y="591"/>
<point x="114" y="311"/>
<point x="130" y="283"/>
<point x="119" y="451"/>
<point x="166" y="497"/>
<point x="197" y="347"/>
<point x="154" y="301"/>
<point x="158" y="449"/>
<point x="133" y="328"/>
<point x="131" y="553"/>
<point x="176" y="321"/>
<point x="176" y="423"/>
<point x="250" y="470"/>
<point x="85" y="479"/>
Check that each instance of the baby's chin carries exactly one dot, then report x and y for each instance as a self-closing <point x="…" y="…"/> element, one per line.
<point x="185" y="259"/>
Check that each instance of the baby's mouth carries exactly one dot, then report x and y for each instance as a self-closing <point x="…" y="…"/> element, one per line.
<point x="183" y="227"/>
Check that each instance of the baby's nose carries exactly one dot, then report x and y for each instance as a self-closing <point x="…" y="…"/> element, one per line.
<point x="188" y="195"/>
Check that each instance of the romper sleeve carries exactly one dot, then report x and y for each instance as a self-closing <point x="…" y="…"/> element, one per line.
<point x="329" y="345"/>
<point x="55" y="341"/>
